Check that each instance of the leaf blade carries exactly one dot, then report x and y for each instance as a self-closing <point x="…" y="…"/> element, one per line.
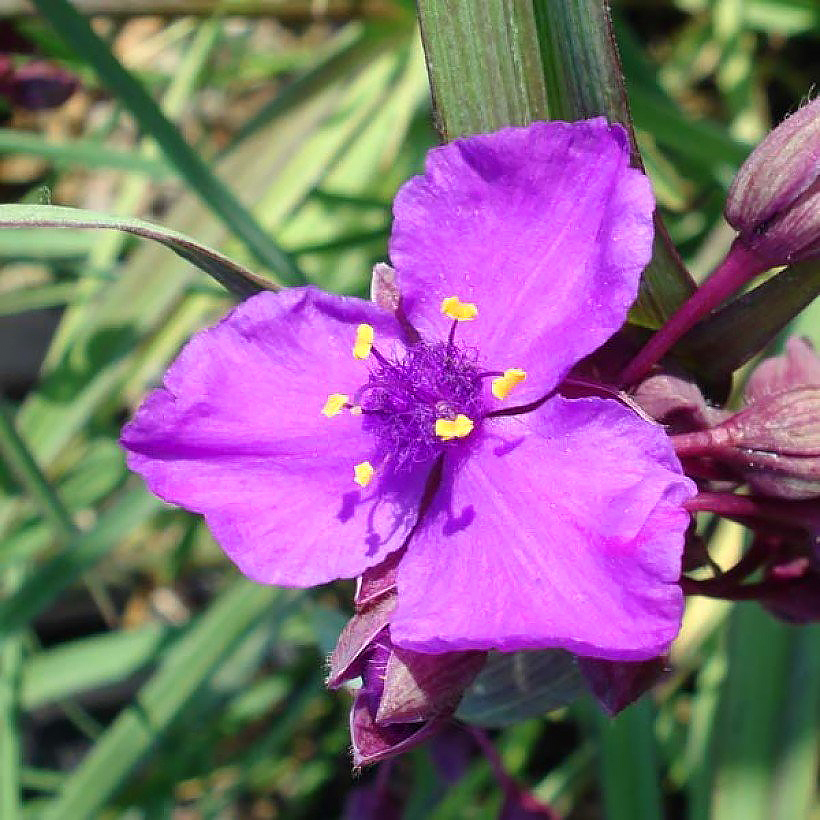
<point x="235" y="278"/>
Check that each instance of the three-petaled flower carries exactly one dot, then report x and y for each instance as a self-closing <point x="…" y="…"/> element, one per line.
<point x="319" y="434"/>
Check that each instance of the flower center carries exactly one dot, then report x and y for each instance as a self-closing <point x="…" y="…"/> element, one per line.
<point x="422" y="401"/>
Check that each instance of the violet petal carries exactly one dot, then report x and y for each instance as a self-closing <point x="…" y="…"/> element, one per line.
<point x="509" y="557"/>
<point x="237" y="434"/>
<point x="551" y="216"/>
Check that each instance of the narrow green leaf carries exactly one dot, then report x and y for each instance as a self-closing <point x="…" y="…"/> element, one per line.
<point x="36" y="297"/>
<point x="76" y="31"/>
<point x="514" y="686"/>
<point x="629" y="766"/>
<point x="231" y="275"/>
<point x="196" y="658"/>
<point x="77" y="666"/>
<point x="795" y="789"/>
<point x="18" y="457"/>
<point x="484" y="64"/>
<point x="749" y="715"/>
<point x="11" y="746"/>
<point x="85" y="153"/>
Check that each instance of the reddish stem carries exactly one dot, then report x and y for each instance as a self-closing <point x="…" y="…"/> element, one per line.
<point x="737" y="268"/>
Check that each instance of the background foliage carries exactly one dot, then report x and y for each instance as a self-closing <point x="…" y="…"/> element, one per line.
<point x="141" y="677"/>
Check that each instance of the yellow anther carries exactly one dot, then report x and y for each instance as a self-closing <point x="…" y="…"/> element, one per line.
<point x="363" y="473"/>
<point x="448" y="429"/>
<point x="364" y="341"/>
<point x="453" y="307"/>
<point x="503" y="385"/>
<point x="335" y="404"/>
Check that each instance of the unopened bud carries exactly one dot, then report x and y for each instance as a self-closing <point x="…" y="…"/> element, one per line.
<point x="777" y="441"/>
<point x="774" y="201"/>
<point x="38" y="85"/>
<point x="677" y="403"/>
<point x="404" y="696"/>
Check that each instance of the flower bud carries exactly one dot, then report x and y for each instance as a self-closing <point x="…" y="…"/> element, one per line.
<point x="36" y="85"/>
<point x="677" y="403"/>
<point x="774" y="201"/>
<point x="774" y="442"/>
<point x="405" y="696"/>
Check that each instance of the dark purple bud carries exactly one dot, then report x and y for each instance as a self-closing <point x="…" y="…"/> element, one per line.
<point x="405" y="696"/>
<point x="774" y="442"/>
<point x="774" y="201"/>
<point x="39" y="85"/>
<point x="419" y="686"/>
<point x="616" y="684"/>
<point x="377" y="581"/>
<point x="371" y="741"/>
<point x="359" y="633"/>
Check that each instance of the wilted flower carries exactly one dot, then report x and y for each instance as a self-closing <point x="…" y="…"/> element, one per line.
<point x="774" y="201"/>
<point x="318" y="434"/>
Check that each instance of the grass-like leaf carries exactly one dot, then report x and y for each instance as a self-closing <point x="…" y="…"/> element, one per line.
<point x="234" y="277"/>
<point x="76" y="31"/>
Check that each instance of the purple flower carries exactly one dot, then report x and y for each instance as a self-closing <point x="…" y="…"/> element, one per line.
<point x="318" y="434"/>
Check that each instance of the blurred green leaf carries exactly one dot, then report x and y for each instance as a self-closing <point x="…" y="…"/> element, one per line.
<point x="629" y="764"/>
<point x="233" y="276"/>
<point x="749" y="715"/>
<point x="86" y="153"/>
<point x="514" y="686"/>
<point x="76" y="666"/>
<point x="195" y="658"/>
<point x="75" y="30"/>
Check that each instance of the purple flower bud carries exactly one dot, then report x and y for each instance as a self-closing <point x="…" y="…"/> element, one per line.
<point x="799" y="366"/>
<point x="774" y="442"/>
<point x="774" y="201"/>
<point x="797" y="600"/>
<point x="405" y="696"/>
<point x="37" y="85"/>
